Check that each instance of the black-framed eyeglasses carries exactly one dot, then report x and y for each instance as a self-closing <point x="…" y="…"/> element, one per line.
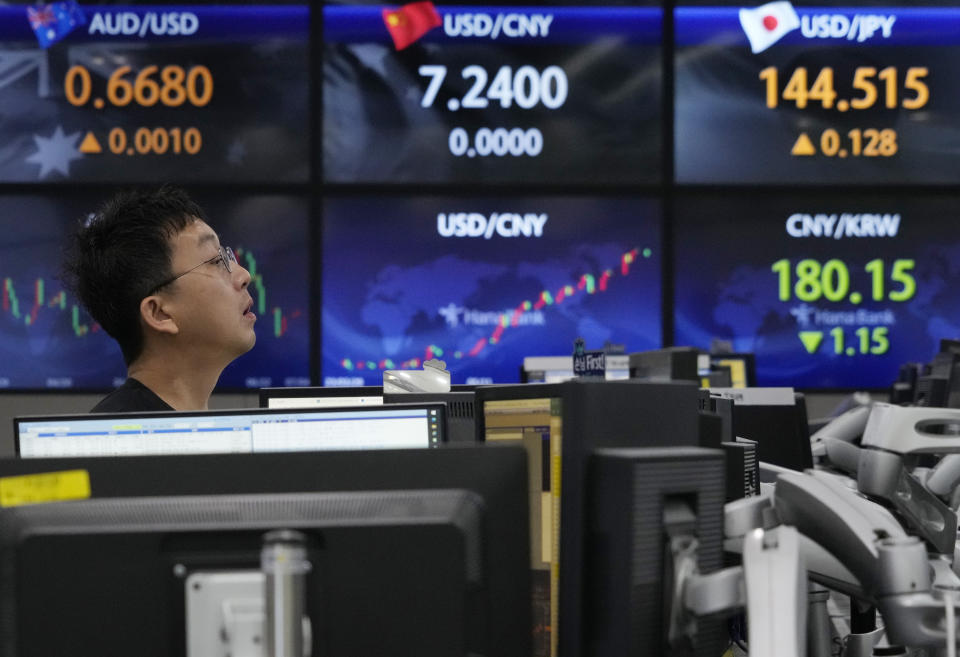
<point x="225" y="256"/>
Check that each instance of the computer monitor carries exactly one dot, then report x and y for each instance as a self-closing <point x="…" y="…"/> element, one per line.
<point x="948" y="346"/>
<point x="460" y="410"/>
<point x="559" y="425"/>
<point x="530" y="415"/>
<point x="557" y="369"/>
<point x="47" y="339"/>
<point x="386" y="578"/>
<point x="324" y="396"/>
<point x="599" y="415"/>
<point x="776" y="419"/>
<point x="904" y="388"/>
<point x="481" y="305"/>
<point x="667" y="364"/>
<point x="743" y="468"/>
<point x="940" y="386"/>
<point x="716" y="376"/>
<point x="224" y="431"/>
<point x="716" y="418"/>
<point x="743" y="368"/>
<point x="637" y="502"/>
<point x="320" y="397"/>
<point x="716" y="431"/>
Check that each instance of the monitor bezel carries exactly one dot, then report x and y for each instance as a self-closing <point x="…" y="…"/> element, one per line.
<point x="266" y="394"/>
<point x="507" y="392"/>
<point x="749" y="362"/>
<point x="495" y="472"/>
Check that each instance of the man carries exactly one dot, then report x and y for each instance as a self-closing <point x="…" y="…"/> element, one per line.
<point x="153" y="274"/>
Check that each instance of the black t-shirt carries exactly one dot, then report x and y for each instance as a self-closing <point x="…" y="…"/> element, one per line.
<point x="131" y="396"/>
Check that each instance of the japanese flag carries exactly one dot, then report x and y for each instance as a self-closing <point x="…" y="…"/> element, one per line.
<point x="765" y="25"/>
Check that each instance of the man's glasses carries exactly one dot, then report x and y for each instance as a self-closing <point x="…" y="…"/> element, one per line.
<point x="225" y="256"/>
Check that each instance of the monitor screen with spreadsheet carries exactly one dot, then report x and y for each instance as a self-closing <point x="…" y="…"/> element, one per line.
<point x="236" y="431"/>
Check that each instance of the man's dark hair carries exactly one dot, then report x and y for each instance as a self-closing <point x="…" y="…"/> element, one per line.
<point x="120" y="254"/>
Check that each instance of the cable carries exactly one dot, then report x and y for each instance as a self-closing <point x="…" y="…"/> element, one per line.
<point x="838" y="645"/>
<point x="951" y="627"/>
<point x="736" y="631"/>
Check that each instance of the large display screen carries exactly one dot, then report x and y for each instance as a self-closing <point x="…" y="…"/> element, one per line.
<point x="829" y="291"/>
<point x="788" y="94"/>
<point x="48" y="341"/>
<point x="480" y="283"/>
<point x="191" y="94"/>
<point x="492" y="94"/>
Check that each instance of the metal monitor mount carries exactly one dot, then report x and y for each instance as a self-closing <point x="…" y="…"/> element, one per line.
<point x="252" y="613"/>
<point x="912" y="591"/>
<point x="771" y="585"/>
<point x="894" y="434"/>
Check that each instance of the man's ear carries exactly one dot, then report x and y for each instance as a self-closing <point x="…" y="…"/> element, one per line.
<point x="155" y="317"/>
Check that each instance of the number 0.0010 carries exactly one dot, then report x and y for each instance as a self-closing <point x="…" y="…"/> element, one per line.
<point x="496" y="141"/>
<point x="155" y="141"/>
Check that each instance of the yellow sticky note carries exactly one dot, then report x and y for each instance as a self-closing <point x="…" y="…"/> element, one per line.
<point x="44" y="487"/>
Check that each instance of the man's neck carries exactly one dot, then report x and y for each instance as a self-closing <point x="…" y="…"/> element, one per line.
<point x="186" y="386"/>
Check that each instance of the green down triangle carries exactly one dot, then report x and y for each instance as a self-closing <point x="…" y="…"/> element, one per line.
<point x="811" y="340"/>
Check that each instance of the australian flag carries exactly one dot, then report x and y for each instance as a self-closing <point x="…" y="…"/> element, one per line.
<point x="54" y="21"/>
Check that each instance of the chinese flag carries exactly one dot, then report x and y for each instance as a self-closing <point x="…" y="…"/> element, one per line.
<point x="410" y="22"/>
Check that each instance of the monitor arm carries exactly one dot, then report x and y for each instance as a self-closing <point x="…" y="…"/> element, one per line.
<point x="845" y="428"/>
<point x="743" y="515"/>
<point x="913" y="429"/>
<point x="252" y="613"/>
<point x="894" y="432"/>
<point x="944" y="477"/>
<point x="845" y="524"/>
<point x="924" y="430"/>
<point x="841" y="455"/>
<point x="848" y="542"/>
<point x="771" y="585"/>
<point x="894" y="568"/>
<point x="898" y="429"/>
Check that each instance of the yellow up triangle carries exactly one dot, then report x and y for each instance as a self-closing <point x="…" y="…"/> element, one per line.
<point x="803" y="146"/>
<point x="90" y="144"/>
<point x="811" y="340"/>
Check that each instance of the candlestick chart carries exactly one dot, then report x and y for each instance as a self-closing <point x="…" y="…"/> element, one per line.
<point x="482" y="289"/>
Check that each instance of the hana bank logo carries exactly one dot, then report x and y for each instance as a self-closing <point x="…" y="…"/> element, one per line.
<point x="455" y="316"/>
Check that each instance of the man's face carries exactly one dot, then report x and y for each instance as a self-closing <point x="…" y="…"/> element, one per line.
<point x="211" y="306"/>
